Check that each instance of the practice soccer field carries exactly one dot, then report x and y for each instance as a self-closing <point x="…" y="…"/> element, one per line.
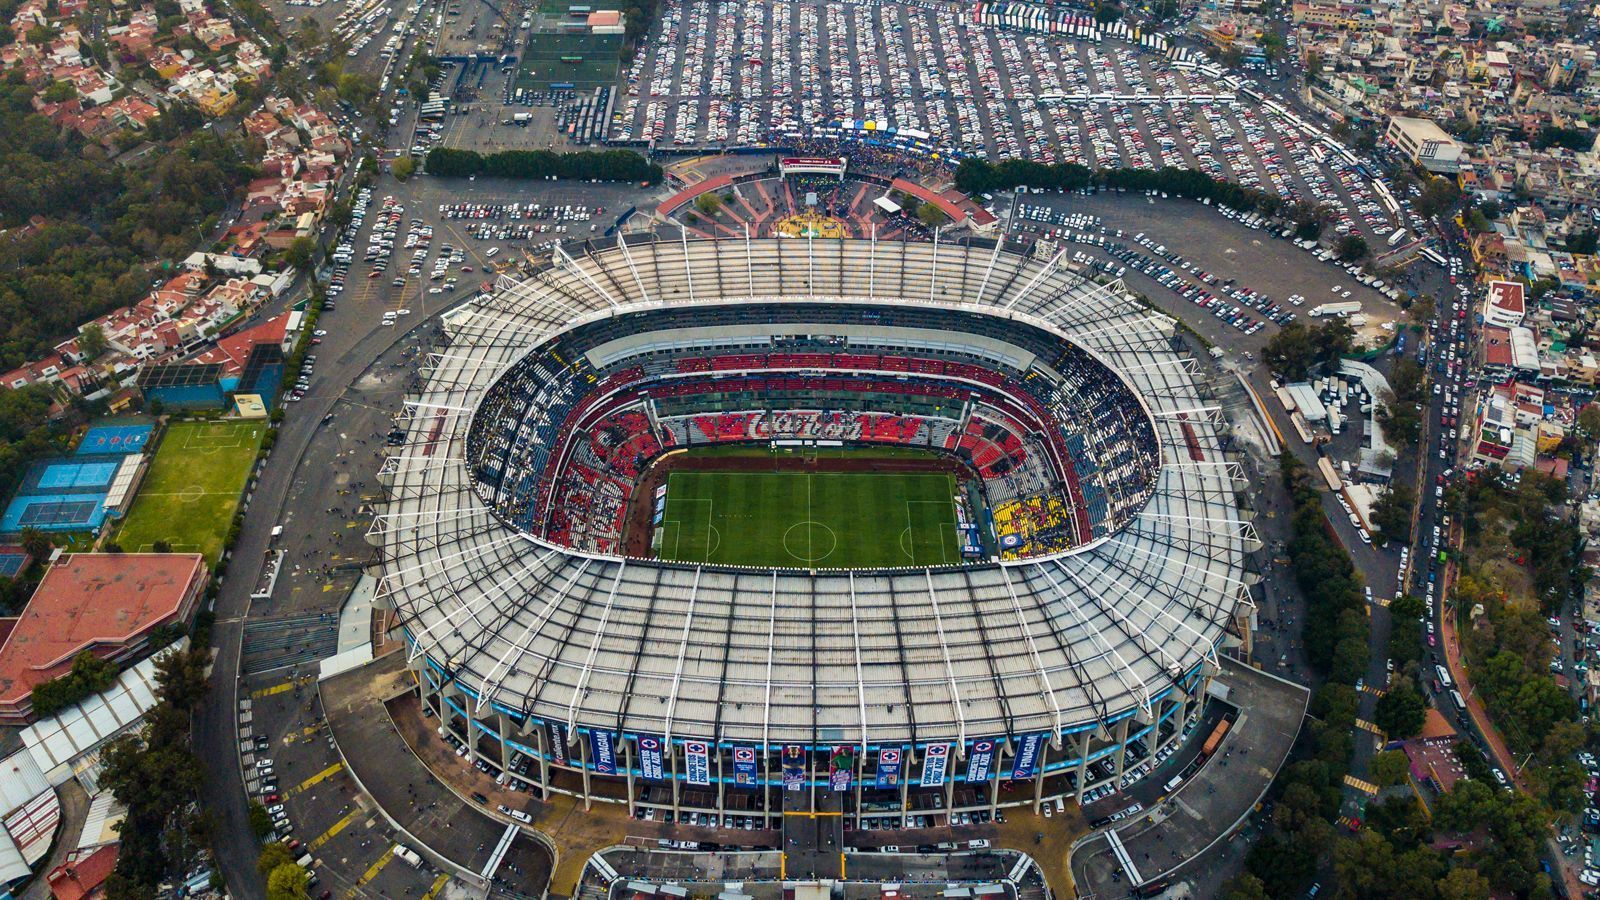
<point x="192" y="489"/>
<point x="806" y="520"/>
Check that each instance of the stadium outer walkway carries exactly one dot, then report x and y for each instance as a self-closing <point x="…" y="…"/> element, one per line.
<point x="1211" y="804"/>
<point x="439" y="821"/>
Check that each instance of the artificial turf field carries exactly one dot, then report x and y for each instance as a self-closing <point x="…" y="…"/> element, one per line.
<point x="806" y="520"/>
<point x="192" y="489"/>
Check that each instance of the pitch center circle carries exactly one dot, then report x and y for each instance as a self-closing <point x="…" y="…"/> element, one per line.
<point x="809" y="541"/>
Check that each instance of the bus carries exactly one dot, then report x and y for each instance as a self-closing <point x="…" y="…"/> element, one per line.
<point x="1456" y="697"/>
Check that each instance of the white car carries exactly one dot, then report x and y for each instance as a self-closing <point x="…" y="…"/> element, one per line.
<point x="402" y="312"/>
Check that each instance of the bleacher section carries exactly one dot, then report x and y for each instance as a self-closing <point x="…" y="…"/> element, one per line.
<point x="1063" y="451"/>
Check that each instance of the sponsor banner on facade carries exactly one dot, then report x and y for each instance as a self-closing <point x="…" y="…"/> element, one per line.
<point x="603" y="752"/>
<point x="888" y="767"/>
<point x="1027" y="761"/>
<point x="698" y="758"/>
<point x="794" y="767"/>
<point x="744" y="766"/>
<point x="558" y="742"/>
<point x="841" y="767"/>
<point x="980" y="761"/>
<point x="650" y="757"/>
<point x="935" y="761"/>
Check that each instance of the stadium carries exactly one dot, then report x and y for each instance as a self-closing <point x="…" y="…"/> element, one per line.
<point x="704" y="526"/>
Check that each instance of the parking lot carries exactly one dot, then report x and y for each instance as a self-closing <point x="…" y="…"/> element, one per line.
<point x="1280" y="281"/>
<point x="761" y="71"/>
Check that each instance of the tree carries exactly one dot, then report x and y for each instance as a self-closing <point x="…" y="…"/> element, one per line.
<point x="931" y="215"/>
<point x="272" y="856"/>
<point x="1352" y="247"/>
<point x="1392" y="512"/>
<point x="1299" y="347"/>
<point x="37" y="543"/>
<point x="287" y="882"/>
<point x="708" y="203"/>
<point x="403" y="167"/>
<point x="300" y="252"/>
<point x="1422" y="309"/>
<point x="1389" y="768"/>
<point x="1589" y="420"/>
<point x="1463" y="883"/>
<point x="92" y="341"/>
<point x="1244" y="886"/>
<point x="1439" y="195"/>
<point x="260" y="821"/>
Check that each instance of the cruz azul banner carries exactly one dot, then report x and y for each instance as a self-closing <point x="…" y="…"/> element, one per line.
<point x="935" y="761"/>
<point x="650" y="757"/>
<point x="697" y="757"/>
<point x="744" y="766"/>
<point x="888" y="768"/>
<point x="980" y="761"/>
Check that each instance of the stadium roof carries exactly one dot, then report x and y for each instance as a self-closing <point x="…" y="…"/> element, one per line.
<point x="1054" y="643"/>
<point x="91" y="601"/>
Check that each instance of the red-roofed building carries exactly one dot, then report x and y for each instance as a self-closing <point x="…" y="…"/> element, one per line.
<point x="1505" y="304"/>
<point x="234" y="350"/>
<point x="83" y="875"/>
<point x="104" y="603"/>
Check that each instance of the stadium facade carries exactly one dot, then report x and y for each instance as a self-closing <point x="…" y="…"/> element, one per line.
<point x="1059" y="662"/>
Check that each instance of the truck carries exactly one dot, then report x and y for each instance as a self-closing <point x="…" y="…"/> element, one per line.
<point x="409" y="855"/>
<point x="1217" y="734"/>
<point x="521" y="118"/>
<point x="1340" y="308"/>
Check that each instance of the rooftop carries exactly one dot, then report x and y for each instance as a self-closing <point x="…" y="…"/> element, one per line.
<point x="88" y="601"/>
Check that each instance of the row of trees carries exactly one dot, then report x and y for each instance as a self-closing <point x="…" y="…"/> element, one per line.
<point x="585" y="165"/>
<point x="1298" y="348"/>
<point x="89" y="675"/>
<point x="977" y="176"/>
<point x="155" y="774"/>
<point x="1336" y="629"/>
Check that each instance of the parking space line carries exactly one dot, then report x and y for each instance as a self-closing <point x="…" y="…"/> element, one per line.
<point x="438" y="885"/>
<point x="275" y="689"/>
<point x="376" y="867"/>
<point x="333" y="830"/>
<point x="318" y="778"/>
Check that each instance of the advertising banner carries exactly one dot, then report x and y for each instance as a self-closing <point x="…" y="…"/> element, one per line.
<point x="603" y="752"/>
<point x="744" y="766"/>
<point x="841" y="767"/>
<point x="935" y="760"/>
<point x="794" y="767"/>
<point x="698" y="762"/>
<point x="980" y="761"/>
<point x="650" y="757"/>
<point x="558" y="742"/>
<point x="1027" y="761"/>
<point x="888" y="768"/>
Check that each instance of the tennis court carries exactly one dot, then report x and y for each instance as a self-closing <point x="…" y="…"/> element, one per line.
<point x="67" y="493"/>
<point x="114" y="439"/>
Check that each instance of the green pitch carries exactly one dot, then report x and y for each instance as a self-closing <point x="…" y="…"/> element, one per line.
<point x="806" y="520"/>
<point x="189" y="495"/>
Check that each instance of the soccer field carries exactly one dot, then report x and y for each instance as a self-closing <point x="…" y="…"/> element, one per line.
<point x="192" y="489"/>
<point x="805" y="520"/>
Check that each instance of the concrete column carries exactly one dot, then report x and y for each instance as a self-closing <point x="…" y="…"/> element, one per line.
<point x="766" y="788"/>
<point x="541" y="739"/>
<point x="505" y="747"/>
<point x="672" y="762"/>
<point x="627" y="768"/>
<point x="583" y="768"/>
<point x="1122" y="747"/>
<point x="1081" y="740"/>
<point x="905" y="784"/>
<point x="1038" y="775"/>
<point x="721" y="785"/>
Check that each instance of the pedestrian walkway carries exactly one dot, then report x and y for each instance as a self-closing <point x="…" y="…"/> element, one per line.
<point x="1360" y="785"/>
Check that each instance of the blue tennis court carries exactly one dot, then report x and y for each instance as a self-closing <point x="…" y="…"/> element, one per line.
<point x="62" y="474"/>
<point x="54" y="512"/>
<point x="115" y="439"/>
<point x="12" y="561"/>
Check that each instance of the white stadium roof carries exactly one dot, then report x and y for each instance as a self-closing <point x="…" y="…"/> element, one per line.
<point x="1053" y="643"/>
